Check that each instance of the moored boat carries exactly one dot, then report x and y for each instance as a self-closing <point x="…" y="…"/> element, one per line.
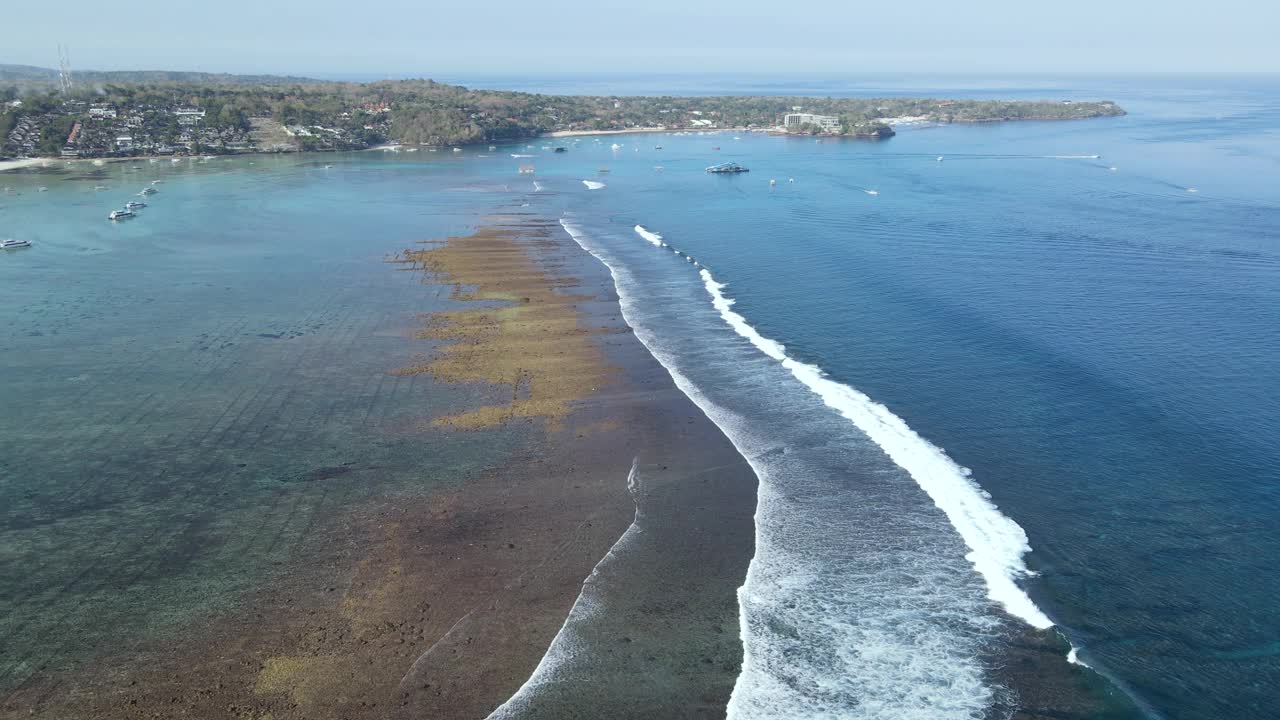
<point x="14" y="244"/>
<point x="120" y="214"/>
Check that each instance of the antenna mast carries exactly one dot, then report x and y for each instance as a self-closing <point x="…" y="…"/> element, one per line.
<point x="64" y="69"/>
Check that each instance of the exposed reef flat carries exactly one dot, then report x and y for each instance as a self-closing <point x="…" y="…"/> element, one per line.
<point x="440" y="603"/>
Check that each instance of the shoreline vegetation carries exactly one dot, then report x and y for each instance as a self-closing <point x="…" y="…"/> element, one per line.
<point x="151" y="114"/>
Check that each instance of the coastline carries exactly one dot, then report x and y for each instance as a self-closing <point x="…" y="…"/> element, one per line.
<point x="7" y="165"/>
<point x="640" y="130"/>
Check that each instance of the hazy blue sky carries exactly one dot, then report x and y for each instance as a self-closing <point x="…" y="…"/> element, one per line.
<point x="454" y="38"/>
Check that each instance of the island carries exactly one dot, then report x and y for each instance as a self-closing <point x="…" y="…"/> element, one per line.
<point x="134" y="114"/>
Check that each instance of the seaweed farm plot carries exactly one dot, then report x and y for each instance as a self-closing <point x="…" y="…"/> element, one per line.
<point x="197" y="416"/>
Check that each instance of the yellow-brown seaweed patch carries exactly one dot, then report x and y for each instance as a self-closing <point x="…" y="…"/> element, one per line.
<point x="534" y="342"/>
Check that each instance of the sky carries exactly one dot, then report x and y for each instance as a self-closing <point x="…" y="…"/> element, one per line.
<point x="452" y="39"/>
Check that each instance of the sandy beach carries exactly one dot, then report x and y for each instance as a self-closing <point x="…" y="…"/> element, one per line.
<point x="6" y="165"/>
<point x="443" y="606"/>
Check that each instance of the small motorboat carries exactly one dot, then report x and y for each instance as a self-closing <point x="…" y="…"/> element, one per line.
<point x="14" y="244"/>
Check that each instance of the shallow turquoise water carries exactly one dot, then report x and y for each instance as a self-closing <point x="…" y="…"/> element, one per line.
<point x="192" y="396"/>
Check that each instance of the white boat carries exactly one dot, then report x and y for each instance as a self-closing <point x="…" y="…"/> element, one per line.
<point x="156" y="182"/>
<point x="457" y="149"/>
<point x="42" y="189"/>
<point x="175" y="160"/>
<point x="13" y="244"/>
<point x="134" y="205"/>
<point x="147" y="191"/>
<point x="120" y="214"/>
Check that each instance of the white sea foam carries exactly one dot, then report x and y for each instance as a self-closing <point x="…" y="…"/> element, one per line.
<point x="565" y="645"/>
<point x="996" y="543"/>
<point x="890" y="632"/>
<point x="652" y="237"/>
<point x="592" y="184"/>
<point x="537" y="186"/>
<point x="1073" y="657"/>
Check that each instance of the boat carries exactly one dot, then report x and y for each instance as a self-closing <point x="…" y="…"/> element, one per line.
<point x="134" y="205"/>
<point x="14" y="244"/>
<point x="42" y="189"/>
<point x="147" y="191"/>
<point x="156" y="182"/>
<point x="603" y="169"/>
<point x="773" y="183"/>
<point x="729" y="167"/>
<point x="120" y="214"/>
<point x="493" y="147"/>
<point x="657" y="147"/>
<point x="560" y="149"/>
<point x="457" y="149"/>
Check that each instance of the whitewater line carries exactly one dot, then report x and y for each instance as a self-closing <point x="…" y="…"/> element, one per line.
<point x="996" y="543"/>
<point x="561" y="645"/>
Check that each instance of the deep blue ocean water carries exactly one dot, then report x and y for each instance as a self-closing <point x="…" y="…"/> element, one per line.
<point x="1093" y="338"/>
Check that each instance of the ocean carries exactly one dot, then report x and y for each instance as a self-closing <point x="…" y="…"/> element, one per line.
<point x="989" y="376"/>
<point x="1015" y="367"/>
